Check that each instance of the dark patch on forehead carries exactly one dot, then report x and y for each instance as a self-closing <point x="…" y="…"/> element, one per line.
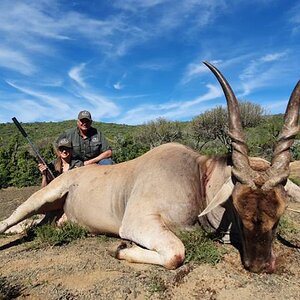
<point x="266" y="202"/>
<point x="258" y="208"/>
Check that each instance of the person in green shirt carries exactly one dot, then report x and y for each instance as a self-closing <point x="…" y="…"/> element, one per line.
<point x="89" y="144"/>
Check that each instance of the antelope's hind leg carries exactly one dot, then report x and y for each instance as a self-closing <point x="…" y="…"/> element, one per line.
<point x="163" y="247"/>
<point x="45" y="200"/>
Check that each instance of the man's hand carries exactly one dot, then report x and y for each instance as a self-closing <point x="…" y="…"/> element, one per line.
<point x="88" y="162"/>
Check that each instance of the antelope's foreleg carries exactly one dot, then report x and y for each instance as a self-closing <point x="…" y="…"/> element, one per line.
<point x="45" y="200"/>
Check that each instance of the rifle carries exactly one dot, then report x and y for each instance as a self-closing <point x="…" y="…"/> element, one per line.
<point x="39" y="157"/>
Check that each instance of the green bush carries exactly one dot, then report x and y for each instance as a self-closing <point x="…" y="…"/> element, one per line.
<point x="199" y="247"/>
<point x="286" y="227"/>
<point x="126" y="148"/>
<point x="49" y="235"/>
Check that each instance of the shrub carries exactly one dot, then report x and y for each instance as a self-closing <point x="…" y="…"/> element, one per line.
<point x="51" y="236"/>
<point x="199" y="247"/>
<point x="286" y="227"/>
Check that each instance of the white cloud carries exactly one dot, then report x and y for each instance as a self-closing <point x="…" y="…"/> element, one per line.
<point x="25" y="110"/>
<point x="294" y="18"/>
<point x="276" y="107"/>
<point x="172" y="110"/>
<point x="156" y="65"/>
<point x="34" y="25"/>
<point x="28" y="19"/>
<point x="194" y="70"/>
<point x="118" y="86"/>
<point x="99" y="105"/>
<point x="75" y="74"/>
<point x="136" y="5"/>
<point x="273" y="57"/>
<point x="31" y="105"/>
<point x="214" y="91"/>
<point x="16" y="61"/>
<point x="197" y="69"/>
<point x="49" y="101"/>
<point x="260" y="72"/>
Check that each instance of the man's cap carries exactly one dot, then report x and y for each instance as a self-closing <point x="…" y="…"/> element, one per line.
<point x="64" y="142"/>
<point x="84" y="114"/>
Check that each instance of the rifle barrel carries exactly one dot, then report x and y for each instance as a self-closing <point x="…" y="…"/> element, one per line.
<point x="40" y="158"/>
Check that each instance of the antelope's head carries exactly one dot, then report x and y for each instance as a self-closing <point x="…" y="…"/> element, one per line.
<point x="258" y="196"/>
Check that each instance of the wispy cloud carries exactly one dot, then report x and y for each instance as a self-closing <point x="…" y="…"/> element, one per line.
<point x="16" y="61"/>
<point x="294" y="18"/>
<point x="156" y="65"/>
<point x="32" y="25"/>
<point x="172" y="110"/>
<point x="194" y="70"/>
<point x="260" y="72"/>
<point x="76" y="74"/>
<point x="30" y="18"/>
<point x="38" y="105"/>
<point x="275" y="107"/>
<point x="25" y="110"/>
<point x="163" y="17"/>
<point x="273" y="57"/>
<point x="53" y="102"/>
<point x="118" y="86"/>
<point x="136" y="5"/>
<point x="256" y="65"/>
<point x="102" y="107"/>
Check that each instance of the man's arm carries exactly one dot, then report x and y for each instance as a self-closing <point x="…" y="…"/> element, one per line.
<point x="103" y="155"/>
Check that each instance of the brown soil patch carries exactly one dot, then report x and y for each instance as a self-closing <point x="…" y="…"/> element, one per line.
<point x="84" y="270"/>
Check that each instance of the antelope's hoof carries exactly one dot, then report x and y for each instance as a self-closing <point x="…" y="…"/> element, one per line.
<point x="3" y="227"/>
<point x="115" y="250"/>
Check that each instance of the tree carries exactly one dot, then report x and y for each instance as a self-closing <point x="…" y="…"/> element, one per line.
<point x="158" y="132"/>
<point x="4" y="170"/>
<point x="213" y="124"/>
<point x="126" y="148"/>
<point x="24" y="171"/>
<point x="8" y="159"/>
<point x="210" y="126"/>
<point x="251" y="114"/>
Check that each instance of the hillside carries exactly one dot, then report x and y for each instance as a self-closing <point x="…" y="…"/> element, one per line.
<point x="39" y="131"/>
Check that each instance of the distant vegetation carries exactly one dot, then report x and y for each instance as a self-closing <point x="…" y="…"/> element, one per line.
<point x="205" y="133"/>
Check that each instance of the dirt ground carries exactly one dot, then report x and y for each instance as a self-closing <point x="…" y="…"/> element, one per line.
<point x="83" y="269"/>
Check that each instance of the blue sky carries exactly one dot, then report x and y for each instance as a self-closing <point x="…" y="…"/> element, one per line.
<point x="132" y="61"/>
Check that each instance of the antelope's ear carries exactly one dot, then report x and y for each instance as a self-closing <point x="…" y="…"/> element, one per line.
<point x="222" y="196"/>
<point x="293" y="190"/>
